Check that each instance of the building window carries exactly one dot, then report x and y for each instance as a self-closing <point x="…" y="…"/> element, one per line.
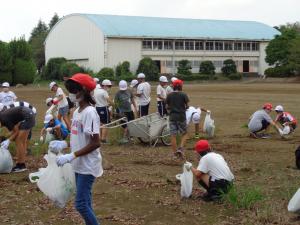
<point x="196" y="64"/>
<point x="147" y="44"/>
<point x="246" y="46"/>
<point x="199" y="45"/>
<point x="179" y="45"/>
<point x="238" y="46"/>
<point x="189" y="45"/>
<point x="168" y="45"/>
<point x="169" y="64"/>
<point x="228" y="46"/>
<point x="157" y="45"/>
<point x="255" y="46"/>
<point x="218" y="46"/>
<point x="209" y="45"/>
<point x="218" y="64"/>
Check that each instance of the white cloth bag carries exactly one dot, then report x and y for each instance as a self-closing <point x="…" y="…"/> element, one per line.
<point x="186" y="180"/>
<point x="6" y="162"/>
<point x="209" y="125"/>
<point x="57" y="183"/>
<point x="294" y="203"/>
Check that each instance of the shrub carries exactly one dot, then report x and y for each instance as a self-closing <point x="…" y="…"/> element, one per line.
<point x="279" y="71"/>
<point x="25" y="71"/>
<point x="229" y="67"/>
<point x="106" y="73"/>
<point x="5" y="58"/>
<point x="68" y="69"/>
<point x="184" y="67"/>
<point x="123" y="69"/>
<point x="207" y="67"/>
<point x="6" y="77"/>
<point x="52" y="69"/>
<point x="19" y="48"/>
<point x="235" y="76"/>
<point x="149" y="68"/>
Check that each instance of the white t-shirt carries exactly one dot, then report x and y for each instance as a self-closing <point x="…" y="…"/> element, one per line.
<point x="64" y="102"/>
<point x="215" y="166"/>
<point x="145" y="90"/>
<point x="85" y="124"/>
<point x="189" y="112"/>
<point x="101" y="97"/>
<point x="169" y="90"/>
<point x="160" y="90"/>
<point x="7" y="98"/>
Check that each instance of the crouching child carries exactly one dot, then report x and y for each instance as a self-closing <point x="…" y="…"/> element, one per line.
<point x="212" y="172"/>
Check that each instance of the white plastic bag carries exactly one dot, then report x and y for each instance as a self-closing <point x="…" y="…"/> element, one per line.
<point x="6" y="162"/>
<point x="49" y="137"/>
<point x="286" y="130"/>
<point x="294" y="204"/>
<point x="57" y="183"/>
<point x="186" y="180"/>
<point x="209" y="125"/>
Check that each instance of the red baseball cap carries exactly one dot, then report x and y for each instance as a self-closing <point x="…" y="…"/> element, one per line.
<point x="84" y="80"/>
<point x="177" y="82"/>
<point x="267" y="106"/>
<point x="202" y="146"/>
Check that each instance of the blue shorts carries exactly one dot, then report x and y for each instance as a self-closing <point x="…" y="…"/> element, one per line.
<point x="104" y="114"/>
<point x="63" y="111"/>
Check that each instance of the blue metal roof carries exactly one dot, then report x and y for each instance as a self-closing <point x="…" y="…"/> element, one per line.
<point x="155" y="27"/>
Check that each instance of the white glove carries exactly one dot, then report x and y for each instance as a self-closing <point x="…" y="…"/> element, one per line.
<point x="41" y="139"/>
<point x="5" y="144"/>
<point x="208" y="111"/>
<point x="188" y="166"/>
<point x="49" y="129"/>
<point x="280" y="132"/>
<point x="57" y="146"/>
<point x="63" y="159"/>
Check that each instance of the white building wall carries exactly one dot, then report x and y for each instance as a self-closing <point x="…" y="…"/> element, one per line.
<point x="120" y="50"/>
<point x="78" y="40"/>
<point x="262" y="58"/>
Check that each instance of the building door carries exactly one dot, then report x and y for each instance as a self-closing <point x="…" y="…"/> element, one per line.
<point x="158" y="64"/>
<point x="246" y="66"/>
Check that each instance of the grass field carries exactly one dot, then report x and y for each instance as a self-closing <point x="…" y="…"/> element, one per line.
<point x="139" y="186"/>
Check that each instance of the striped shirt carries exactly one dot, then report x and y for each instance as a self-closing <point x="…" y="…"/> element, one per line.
<point x="21" y="104"/>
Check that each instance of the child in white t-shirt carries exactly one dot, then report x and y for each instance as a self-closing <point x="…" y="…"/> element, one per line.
<point x="193" y="115"/>
<point x="212" y="172"/>
<point x="85" y="144"/>
<point x="7" y="97"/>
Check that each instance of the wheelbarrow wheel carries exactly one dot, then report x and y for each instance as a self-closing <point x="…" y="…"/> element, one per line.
<point x="144" y="140"/>
<point x="166" y="136"/>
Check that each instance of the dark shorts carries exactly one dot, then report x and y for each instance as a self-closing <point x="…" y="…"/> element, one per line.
<point x="29" y="135"/>
<point x="64" y="134"/>
<point x="29" y="121"/>
<point x="129" y="116"/>
<point x="294" y="126"/>
<point x="217" y="187"/>
<point x="264" y="125"/>
<point x="161" y="108"/>
<point x="144" y="110"/>
<point x="178" y="127"/>
<point x="104" y="114"/>
<point x="63" y="111"/>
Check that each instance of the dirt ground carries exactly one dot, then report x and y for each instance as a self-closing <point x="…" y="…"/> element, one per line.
<point x="139" y="186"/>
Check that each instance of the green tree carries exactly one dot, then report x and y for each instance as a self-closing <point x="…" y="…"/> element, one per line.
<point x="106" y="73"/>
<point x="53" y="21"/>
<point x="149" y="68"/>
<point x="123" y="69"/>
<point x="294" y="56"/>
<point x="229" y="67"/>
<point x="184" y="67"/>
<point x="5" y="63"/>
<point x="25" y="71"/>
<point x="207" y="67"/>
<point x="19" y="48"/>
<point x="52" y="69"/>
<point x="68" y="69"/>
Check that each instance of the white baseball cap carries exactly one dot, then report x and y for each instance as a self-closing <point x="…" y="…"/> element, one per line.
<point x="106" y="82"/>
<point x="48" y="100"/>
<point x="141" y="76"/>
<point x="123" y="85"/>
<point x="196" y="118"/>
<point x="279" y="108"/>
<point x="133" y="83"/>
<point x="51" y="85"/>
<point x="173" y="79"/>
<point x="5" y="84"/>
<point x="96" y="79"/>
<point x="163" y="79"/>
<point x="48" y="117"/>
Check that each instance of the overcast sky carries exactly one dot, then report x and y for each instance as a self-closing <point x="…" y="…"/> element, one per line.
<point x="18" y="17"/>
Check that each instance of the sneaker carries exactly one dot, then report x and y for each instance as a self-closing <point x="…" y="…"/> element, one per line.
<point x="265" y="136"/>
<point x="20" y="167"/>
<point x="197" y="136"/>
<point x="180" y="153"/>
<point x="253" y="135"/>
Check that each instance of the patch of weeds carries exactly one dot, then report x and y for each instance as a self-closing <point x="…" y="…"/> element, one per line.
<point x="243" y="198"/>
